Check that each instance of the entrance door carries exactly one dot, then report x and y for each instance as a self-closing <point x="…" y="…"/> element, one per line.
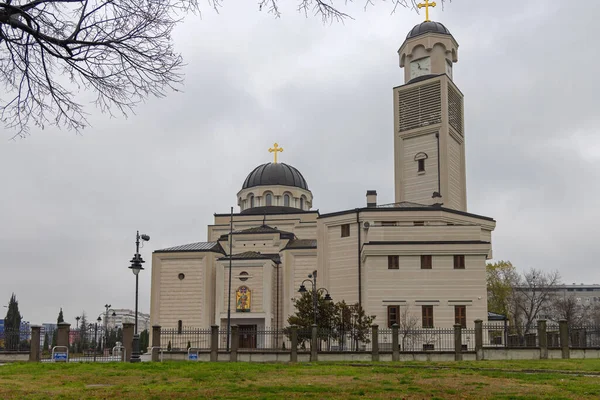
<point x="247" y="336"/>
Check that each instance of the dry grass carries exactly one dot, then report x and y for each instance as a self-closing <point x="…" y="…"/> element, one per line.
<point x="175" y="380"/>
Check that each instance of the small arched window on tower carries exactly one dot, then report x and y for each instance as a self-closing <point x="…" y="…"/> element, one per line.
<point x="286" y="200"/>
<point x="269" y="199"/>
<point x="251" y="201"/>
<point x="420" y="159"/>
<point x="302" y="202"/>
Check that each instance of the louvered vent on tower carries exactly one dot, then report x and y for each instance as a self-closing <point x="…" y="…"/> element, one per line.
<point x="455" y="107"/>
<point x="420" y="106"/>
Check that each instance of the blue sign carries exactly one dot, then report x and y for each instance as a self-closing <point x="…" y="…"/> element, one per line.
<point x="193" y="356"/>
<point x="60" y="356"/>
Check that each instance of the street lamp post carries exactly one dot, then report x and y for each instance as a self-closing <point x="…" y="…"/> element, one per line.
<point x="312" y="278"/>
<point x="136" y="267"/>
<point x="96" y="336"/>
<point x="106" y="307"/>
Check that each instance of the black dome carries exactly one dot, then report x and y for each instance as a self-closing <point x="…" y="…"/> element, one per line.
<point x="428" y="27"/>
<point x="275" y="174"/>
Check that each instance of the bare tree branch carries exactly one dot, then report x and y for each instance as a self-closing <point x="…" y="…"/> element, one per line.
<point x="121" y="50"/>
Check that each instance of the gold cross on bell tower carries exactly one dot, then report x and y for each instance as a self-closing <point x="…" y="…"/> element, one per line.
<point x="276" y="149"/>
<point x="427" y="4"/>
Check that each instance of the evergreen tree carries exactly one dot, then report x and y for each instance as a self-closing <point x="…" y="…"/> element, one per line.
<point x="144" y="340"/>
<point x="46" y="346"/>
<point x="54" y="337"/>
<point x="12" y="325"/>
<point x="83" y="332"/>
<point x="60" y="317"/>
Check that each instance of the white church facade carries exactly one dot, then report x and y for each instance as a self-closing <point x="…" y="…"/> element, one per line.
<point x="424" y="254"/>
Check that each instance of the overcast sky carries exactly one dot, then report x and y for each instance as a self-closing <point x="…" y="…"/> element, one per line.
<point x="71" y="204"/>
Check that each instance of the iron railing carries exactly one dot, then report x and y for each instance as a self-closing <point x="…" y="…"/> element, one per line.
<point x="15" y="340"/>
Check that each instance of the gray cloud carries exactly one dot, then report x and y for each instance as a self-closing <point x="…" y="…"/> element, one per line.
<point x="72" y="204"/>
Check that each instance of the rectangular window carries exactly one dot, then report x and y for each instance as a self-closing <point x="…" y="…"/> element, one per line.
<point x="393" y="262"/>
<point x="419" y="223"/>
<point x="345" y="230"/>
<point x="459" y="262"/>
<point x="426" y="262"/>
<point x="393" y="312"/>
<point x="460" y="316"/>
<point x="388" y="223"/>
<point x="428" y="346"/>
<point x="427" y="316"/>
<point x="421" y="164"/>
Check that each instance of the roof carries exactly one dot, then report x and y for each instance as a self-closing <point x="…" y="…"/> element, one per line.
<point x="405" y="206"/>
<point x="260" y="230"/>
<point x="496" y="317"/>
<point x="275" y="174"/>
<point x="301" y="244"/>
<point x="428" y="27"/>
<point x="214" y="247"/>
<point x="270" y="210"/>
<point x="253" y="255"/>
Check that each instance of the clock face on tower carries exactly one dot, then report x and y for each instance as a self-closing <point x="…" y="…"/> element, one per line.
<point x="420" y="67"/>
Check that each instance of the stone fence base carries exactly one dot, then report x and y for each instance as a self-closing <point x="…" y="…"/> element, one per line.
<point x="13" y="356"/>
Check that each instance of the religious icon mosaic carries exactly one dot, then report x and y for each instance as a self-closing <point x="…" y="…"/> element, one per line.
<point x="243" y="298"/>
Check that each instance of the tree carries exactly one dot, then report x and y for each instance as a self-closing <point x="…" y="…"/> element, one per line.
<point x="83" y="332"/>
<point x="535" y="290"/>
<point x="502" y="277"/>
<point x="408" y="324"/>
<point x="60" y="318"/>
<point x="144" y="340"/>
<point x="304" y="316"/>
<point x="121" y="50"/>
<point x="569" y="309"/>
<point x="46" y="346"/>
<point x="351" y="321"/>
<point x="12" y="325"/>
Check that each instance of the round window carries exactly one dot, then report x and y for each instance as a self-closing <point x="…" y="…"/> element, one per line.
<point x="181" y="276"/>
<point x="243" y="276"/>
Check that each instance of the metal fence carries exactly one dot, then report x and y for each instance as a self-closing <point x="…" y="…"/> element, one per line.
<point x="354" y="340"/>
<point x="587" y="336"/>
<point x="183" y="339"/>
<point x="15" y="340"/>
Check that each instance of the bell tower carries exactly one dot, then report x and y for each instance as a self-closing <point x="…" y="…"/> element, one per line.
<point x="429" y="151"/>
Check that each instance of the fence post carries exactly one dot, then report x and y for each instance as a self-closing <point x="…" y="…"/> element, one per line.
<point x="235" y="343"/>
<point x="294" y="349"/>
<point x="478" y="339"/>
<point x="155" y="342"/>
<point x="395" y="343"/>
<point x="564" y="338"/>
<point x="34" y="349"/>
<point x="313" y="343"/>
<point x="457" y="342"/>
<point x="62" y="338"/>
<point x="128" y="339"/>
<point x="214" y="342"/>
<point x="543" y="339"/>
<point x="375" y="344"/>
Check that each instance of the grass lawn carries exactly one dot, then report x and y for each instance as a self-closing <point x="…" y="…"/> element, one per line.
<point x="175" y="380"/>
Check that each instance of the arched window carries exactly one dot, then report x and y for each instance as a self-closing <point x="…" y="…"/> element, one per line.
<point x="269" y="199"/>
<point x="286" y="200"/>
<point x="251" y="201"/>
<point x="302" y="203"/>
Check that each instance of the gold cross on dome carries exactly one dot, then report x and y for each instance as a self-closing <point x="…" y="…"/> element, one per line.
<point x="427" y="4"/>
<point x="276" y="149"/>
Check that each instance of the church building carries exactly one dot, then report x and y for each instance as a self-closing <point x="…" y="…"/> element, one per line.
<point x="424" y="254"/>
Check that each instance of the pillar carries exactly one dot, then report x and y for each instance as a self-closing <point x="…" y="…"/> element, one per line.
<point x="62" y="338"/>
<point x="128" y="339"/>
<point x="34" y="349"/>
<point x="395" y="343"/>
<point x="294" y="349"/>
<point x="375" y="342"/>
<point x="235" y="343"/>
<point x="543" y="339"/>
<point x="457" y="342"/>
<point x="564" y="338"/>
<point x="155" y="342"/>
<point x="478" y="339"/>
<point x="313" y="344"/>
<point x="214" y="343"/>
